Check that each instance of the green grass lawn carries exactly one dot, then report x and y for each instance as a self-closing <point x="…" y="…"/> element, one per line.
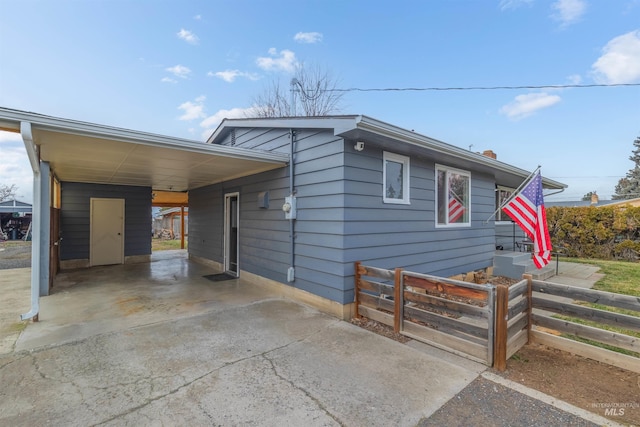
<point x="622" y="277"/>
<point x="167" y="244"/>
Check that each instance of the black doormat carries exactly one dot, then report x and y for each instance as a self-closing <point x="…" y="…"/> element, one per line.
<point x="220" y="277"/>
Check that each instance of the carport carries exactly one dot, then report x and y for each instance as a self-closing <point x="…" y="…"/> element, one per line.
<point x="68" y="151"/>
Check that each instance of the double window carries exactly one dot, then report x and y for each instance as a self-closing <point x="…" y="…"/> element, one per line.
<point x="395" y="176"/>
<point x="453" y="197"/>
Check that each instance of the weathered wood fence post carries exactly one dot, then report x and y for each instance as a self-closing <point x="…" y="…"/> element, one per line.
<point x="529" y="279"/>
<point x="356" y="289"/>
<point x="502" y="313"/>
<point x="398" y="297"/>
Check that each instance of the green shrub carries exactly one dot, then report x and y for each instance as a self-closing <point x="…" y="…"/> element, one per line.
<point x="590" y="232"/>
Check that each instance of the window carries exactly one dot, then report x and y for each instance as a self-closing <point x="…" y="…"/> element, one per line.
<point x="395" y="176"/>
<point x="502" y="195"/>
<point x="453" y="197"/>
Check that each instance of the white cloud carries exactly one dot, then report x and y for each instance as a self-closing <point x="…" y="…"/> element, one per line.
<point x="575" y="79"/>
<point x="198" y="17"/>
<point x="514" y="4"/>
<point x="187" y="36"/>
<point x="15" y="167"/>
<point x="525" y="105"/>
<point x="568" y="11"/>
<point x="312" y="37"/>
<point x="179" y="71"/>
<point x="620" y="62"/>
<point x="283" y="61"/>
<point x="168" y="80"/>
<point x="193" y="109"/>
<point x="210" y="123"/>
<point x="231" y="75"/>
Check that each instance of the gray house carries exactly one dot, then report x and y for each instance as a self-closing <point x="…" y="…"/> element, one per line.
<point x="285" y="203"/>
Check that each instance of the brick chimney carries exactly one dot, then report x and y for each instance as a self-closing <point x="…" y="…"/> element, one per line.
<point x="594" y="199"/>
<point x="489" y="153"/>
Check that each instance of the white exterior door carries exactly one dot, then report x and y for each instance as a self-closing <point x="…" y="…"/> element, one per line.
<point x="107" y="232"/>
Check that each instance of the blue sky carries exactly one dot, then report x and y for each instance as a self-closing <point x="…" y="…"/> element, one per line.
<point x="179" y="67"/>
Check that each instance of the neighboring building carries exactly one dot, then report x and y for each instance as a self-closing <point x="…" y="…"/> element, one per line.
<point x="289" y="203"/>
<point x="15" y="220"/>
<point x="170" y="220"/>
<point x="594" y="201"/>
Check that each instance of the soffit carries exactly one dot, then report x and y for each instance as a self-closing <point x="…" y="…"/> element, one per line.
<point x="96" y="159"/>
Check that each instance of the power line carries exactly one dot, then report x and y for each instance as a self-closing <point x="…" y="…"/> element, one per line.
<point x="420" y="89"/>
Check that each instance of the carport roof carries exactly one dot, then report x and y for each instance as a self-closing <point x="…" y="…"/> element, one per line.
<point x="92" y="153"/>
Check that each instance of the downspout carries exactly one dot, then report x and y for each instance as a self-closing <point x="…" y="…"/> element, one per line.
<point x="292" y="212"/>
<point x="36" y="220"/>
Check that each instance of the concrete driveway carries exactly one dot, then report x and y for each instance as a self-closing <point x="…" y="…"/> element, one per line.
<point x="158" y="344"/>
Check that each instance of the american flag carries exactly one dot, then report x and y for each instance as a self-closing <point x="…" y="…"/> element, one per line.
<point x="527" y="210"/>
<point x="456" y="209"/>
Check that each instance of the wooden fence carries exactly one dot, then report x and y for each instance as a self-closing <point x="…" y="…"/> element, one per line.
<point x="569" y="301"/>
<point x="489" y="323"/>
<point x="485" y="323"/>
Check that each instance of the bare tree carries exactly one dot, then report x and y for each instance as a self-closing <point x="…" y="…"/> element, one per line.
<point x="312" y="92"/>
<point x="7" y="192"/>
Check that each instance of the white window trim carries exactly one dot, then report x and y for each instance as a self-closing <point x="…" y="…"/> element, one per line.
<point x="460" y="172"/>
<point x="386" y="156"/>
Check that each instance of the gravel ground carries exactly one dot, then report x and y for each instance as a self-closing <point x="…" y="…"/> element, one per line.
<point x="15" y="254"/>
<point x="485" y="403"/>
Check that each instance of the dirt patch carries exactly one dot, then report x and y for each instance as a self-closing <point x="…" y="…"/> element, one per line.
<point x="380" y="329"/>
<point x="603" y="389"/>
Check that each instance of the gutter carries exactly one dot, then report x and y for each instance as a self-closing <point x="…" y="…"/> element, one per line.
<point x="36" y="220"/>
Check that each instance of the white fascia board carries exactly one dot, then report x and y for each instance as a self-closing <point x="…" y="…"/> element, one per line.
<point x="55" y="124"/>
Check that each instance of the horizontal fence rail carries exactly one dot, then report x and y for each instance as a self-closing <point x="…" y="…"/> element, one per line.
<point x="449" y="313"/>
<point x="552" y="300"/>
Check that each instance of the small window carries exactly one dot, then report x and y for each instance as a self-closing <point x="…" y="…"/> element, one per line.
<point x="395" y="176"/>
<point x="453" y="197"/>
<point x="502" y="195"/>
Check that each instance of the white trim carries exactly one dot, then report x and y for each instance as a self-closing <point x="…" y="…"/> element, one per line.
<point x="226" y="261"/>
<point x="449" y="169"/>
<point x="406" y="183"/>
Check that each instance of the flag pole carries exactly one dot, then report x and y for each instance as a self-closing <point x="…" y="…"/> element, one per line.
<point x="514" y="194"/>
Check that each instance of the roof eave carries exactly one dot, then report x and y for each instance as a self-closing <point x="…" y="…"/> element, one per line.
<point x="381" y="128"/>
<point x="11" y="119"/>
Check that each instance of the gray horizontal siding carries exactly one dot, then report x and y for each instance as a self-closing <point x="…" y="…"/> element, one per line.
<point x="342" y="218"/>
<point x="390" y="235"/>
<point x="259" y="139"/>
<point x="206" y="214"/>
<point x="75" y="222"/>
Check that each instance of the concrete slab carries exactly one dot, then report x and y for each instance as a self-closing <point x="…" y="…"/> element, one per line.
<point x="98" y="300"/>
<point x="15" y="293"/>
<point x="270" y="362"/>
